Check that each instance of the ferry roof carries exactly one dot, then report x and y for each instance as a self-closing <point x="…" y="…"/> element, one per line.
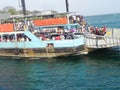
<point x="50" y="14"/>
<point x="27" y="16"/>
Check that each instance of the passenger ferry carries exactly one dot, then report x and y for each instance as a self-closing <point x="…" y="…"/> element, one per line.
<point x="49" y="37"/>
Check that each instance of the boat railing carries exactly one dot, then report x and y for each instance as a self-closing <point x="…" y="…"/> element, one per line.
<point x="97" y="41"/>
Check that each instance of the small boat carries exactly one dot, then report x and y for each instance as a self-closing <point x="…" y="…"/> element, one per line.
<point x="51" y="37"/>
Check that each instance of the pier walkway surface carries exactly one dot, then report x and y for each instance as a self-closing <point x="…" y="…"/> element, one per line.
<point x="110" y="39"/>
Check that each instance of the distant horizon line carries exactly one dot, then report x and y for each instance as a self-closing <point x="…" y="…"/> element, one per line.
<point x="102" y="14"/>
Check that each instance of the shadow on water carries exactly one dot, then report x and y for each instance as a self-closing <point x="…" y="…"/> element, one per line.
<point x="110" y="54"/>
<point x="105" y="54"/>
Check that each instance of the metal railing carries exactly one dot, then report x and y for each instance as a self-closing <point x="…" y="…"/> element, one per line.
<point x="97" y="41"/>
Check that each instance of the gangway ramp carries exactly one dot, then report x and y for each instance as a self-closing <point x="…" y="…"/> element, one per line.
<point x="99" y="42"/>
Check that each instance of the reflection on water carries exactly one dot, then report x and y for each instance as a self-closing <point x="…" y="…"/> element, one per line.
<point x="95" y="71"/>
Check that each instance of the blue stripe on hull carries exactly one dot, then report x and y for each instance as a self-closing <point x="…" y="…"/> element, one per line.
<point x="43" y="44"/>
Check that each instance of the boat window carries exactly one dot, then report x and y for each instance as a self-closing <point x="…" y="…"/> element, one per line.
<point x="22" y="37"/>
<point x="8" y="37"/>
<point x="50" y="44"/>
<point x="14" y="37"/>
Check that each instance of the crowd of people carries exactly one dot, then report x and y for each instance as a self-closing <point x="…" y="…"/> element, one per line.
<point x="97" y="31"/>
<point x="76" y="19"/>
<point x="55" y="34"/>
<point x="24" y="25"/>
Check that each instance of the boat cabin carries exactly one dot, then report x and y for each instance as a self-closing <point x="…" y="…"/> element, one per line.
<point x="13" y="37"/>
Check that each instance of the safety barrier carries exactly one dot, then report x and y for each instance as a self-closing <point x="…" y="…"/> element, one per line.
<point x="96" y="41"/>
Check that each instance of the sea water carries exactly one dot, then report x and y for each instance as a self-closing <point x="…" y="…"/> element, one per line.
<point x="108" y="20"/>
<point x="99" y="70"/>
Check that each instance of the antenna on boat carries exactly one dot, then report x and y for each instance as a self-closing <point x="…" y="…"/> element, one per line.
<point x="67" y="5"/>
<point x="23" y="7"/>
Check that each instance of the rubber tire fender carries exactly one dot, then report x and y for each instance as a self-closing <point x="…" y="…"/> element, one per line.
<point x="16" y="51"/>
